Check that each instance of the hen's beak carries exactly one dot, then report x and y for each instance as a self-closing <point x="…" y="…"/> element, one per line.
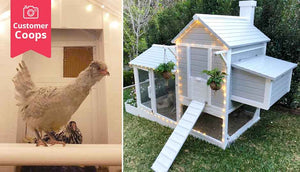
<point x="105" y="72"/>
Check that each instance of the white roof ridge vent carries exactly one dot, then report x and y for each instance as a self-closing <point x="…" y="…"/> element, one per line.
<point x="195" y="17"/>
<point x="247" y="9"/>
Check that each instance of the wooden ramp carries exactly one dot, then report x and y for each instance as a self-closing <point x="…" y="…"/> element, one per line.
<point x="169" y="152"/>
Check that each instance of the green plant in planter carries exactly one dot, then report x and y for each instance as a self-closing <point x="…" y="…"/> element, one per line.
<point x="216" y="78"/>
<point x="165" y="69"/>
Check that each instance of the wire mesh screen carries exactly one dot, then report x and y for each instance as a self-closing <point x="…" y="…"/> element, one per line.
<point x="165" y="96"/>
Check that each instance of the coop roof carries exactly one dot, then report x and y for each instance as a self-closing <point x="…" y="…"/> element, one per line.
<point x="265" y="66"/>
<point x="152" y="57"/>
<point x="233" y="31"/>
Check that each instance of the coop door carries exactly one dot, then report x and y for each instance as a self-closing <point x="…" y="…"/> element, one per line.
<point x="198" y="60"/>
<point x="145" y="89"/>
<point x="198" y="89"/>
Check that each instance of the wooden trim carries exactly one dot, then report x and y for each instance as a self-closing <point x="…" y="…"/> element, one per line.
<point x="152" y="88"/>
<point x="131" y="109"/>
<point x="257" y="113"/>
<point x="147" y="114"/>
<point x="17" y="154"/>
<point x="137" y="86"/>
<point x="209" y="55"/>
<point x="95" y="110"/>
<point x="265" y="48"/>
<point x="208" y="138"/>
<point x="188" y="71"/>
<point x="222" y="56"/>
<point x="200" y="46"/>
<point x="74" y="44"/>
<point x="178" y="105"/>
<point x="220" y="52"/>
<point x="249" y="102"/>
<point x="250" y="49"/>
<point x="228" y="98"/>
<point x="268" y="92"/>
<point x="177" y="74"/>
<point x="290" y="79"/>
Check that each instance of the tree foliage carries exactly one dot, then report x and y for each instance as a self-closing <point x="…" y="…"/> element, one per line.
<point x="137" y="14"/>
<point x="279" y="20"/>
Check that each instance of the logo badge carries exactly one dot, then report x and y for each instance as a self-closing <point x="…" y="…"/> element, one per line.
<point x="30" y="27"/>
<point x="30" y="12"/>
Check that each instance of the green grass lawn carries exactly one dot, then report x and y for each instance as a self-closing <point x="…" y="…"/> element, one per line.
<point x="272" y="144"/>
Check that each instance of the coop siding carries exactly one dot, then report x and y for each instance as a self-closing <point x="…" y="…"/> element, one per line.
<point x="248" y="90"/>
<point x="182" y="66"/>
<point x="246" y="54"/>
<point x="280" y="87"/>
<point x="217" y="98"/>
<point x="199" y="62"/>
<point x="198" y="35"/>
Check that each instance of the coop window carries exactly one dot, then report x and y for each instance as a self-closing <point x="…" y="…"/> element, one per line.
<point x="76" y="59"/>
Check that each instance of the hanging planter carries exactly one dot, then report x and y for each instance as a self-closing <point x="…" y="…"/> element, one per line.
<point x="216" y="78"/>
<point x="165" y="69"/>
<point x="167" y="75"/>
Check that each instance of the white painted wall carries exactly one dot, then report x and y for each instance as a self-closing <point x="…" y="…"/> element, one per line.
<point x="112" y="37"/>
<point x="79" y="14"/>
<point x="112" y="54"/>
<point x="8" y="112"/>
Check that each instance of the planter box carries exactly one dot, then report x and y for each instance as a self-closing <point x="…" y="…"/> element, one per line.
<point x="131" y="109"/>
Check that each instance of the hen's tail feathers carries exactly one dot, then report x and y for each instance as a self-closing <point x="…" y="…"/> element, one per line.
<point x="23" y="83"/>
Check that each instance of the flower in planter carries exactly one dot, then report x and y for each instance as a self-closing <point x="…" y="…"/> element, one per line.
<point x="216" y="78"/>
<point x="165" y="69"/>
<point x="132" y="100"/>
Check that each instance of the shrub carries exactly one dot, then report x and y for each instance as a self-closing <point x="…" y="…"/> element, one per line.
<point x="128" y="78"/>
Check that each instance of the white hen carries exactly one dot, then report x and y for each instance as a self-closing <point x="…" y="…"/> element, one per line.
<point x="49" y="108"/>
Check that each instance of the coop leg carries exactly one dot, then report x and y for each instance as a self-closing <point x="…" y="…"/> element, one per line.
<point x="39" y="141"/>
<point x="257" y="113"/>
<point x="225" y="131"/>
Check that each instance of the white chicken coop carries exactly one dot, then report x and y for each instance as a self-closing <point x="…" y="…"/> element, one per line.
<point x="81" y="31"/>
<point x="232" y="44"/>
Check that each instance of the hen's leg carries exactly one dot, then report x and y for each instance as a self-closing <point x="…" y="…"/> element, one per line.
<point x="40" y="141"/>
<point x="53" y="141"/>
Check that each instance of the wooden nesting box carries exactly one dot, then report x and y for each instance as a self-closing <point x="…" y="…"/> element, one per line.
<point x="261" y="81"/>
